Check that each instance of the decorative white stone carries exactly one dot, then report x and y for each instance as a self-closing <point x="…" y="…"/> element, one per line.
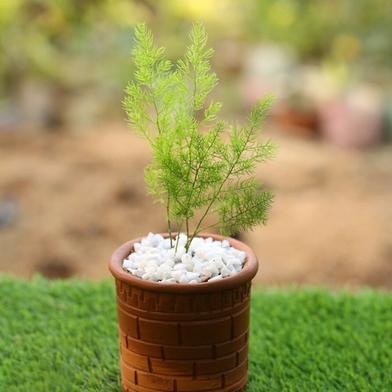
<point x="166" y="243"/>
<point x="218" y="262"/>
<point x="218" y="277"/>
<point x="137" y="247"/>
<point x="213" y="267"/>
<point x="179" y="267"/>
<point x="128" y="264"/>
<point x="200" y="253"/>
<point x="187" y="261"/>
<point x="183" y="279"/>
<point x="192" y="276"/>
<point x="225" y="244"/>
<point x="177" y="275"/>
<point x="197" y="266"/>
<point x="170" y="280"/>
<point x="225" y="272"/>
<point x="180" y="252"/>
<point x="156" y="260"/>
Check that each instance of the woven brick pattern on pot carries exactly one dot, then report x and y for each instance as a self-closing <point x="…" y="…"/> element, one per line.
<point x="183" y="342"/>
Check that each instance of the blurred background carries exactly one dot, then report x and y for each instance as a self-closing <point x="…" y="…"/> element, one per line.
<point x="71" y="171"/>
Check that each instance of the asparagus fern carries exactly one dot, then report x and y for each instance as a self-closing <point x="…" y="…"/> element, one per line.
<point x="200" y="165"/>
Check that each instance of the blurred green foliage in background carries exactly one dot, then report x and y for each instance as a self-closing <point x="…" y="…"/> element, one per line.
<point x="345" y="30"/>
<point x="69" y="46"/>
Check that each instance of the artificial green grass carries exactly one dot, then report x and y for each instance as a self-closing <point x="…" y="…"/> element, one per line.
<point x="62" y="336"/>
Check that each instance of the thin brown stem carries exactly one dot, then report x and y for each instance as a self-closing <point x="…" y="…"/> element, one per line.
<point x="178" y="236"/>
<point x="168" y="220"/>
<point x="187" y="232"/>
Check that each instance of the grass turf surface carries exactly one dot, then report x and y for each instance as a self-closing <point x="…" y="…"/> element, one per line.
<point x="62" y="336"/>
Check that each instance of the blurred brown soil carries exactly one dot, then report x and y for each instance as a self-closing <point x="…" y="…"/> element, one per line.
<point x="78" y="196"/>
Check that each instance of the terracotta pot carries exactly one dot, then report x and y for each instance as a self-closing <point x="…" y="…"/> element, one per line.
<point x="183" y="337"/>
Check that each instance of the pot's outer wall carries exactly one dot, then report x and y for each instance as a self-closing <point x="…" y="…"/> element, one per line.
<point x="183" y="337"/>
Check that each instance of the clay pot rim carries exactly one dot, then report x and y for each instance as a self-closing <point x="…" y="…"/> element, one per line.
<point x="247" y="273"/>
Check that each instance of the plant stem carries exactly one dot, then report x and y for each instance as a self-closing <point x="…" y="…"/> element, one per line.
<point x="178" y="236"/>
<point x="168" y="220"/>
<point x="157" y="115"/>
<point x="190" y="164"/>
<point x="187" y="235"/>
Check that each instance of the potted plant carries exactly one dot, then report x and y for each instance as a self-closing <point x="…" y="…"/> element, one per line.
<point x="183" y="296"/>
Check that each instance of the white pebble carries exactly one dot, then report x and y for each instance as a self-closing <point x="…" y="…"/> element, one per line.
<point x="196" y="243"/>
<point x="225" y="272"/>
<point x="179" y="252"/>
<point x="177" y="275"/>
<point x="137" y="247"/>
<point x="187" y="261"/>
<point x="197" y="266"/>
<point x="218" y="262"/>
<point x="179" y="267"/>
<point x="225" y="244"/>
<point x="215" y="278"/>
<point x="211" y="266"/>
<point x="128" y="264"/>
<point x="192" y="276"/>
<point x="164" y="269"/>
<point x="182" y="239"/>
<point x="183" y="279"/>
<point x="145" y="242"/>
<point x="200" y="253"/>
<point x="166" y="244"/>
<point x="170" y="280"/>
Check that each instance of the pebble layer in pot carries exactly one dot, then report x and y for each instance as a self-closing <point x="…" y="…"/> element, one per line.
<point x="183" y="299"/>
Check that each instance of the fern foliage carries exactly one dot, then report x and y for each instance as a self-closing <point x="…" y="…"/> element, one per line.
<point x="200" y="164"/>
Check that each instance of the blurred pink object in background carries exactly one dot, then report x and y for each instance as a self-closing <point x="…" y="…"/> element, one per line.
<point x="354" y="120"/>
